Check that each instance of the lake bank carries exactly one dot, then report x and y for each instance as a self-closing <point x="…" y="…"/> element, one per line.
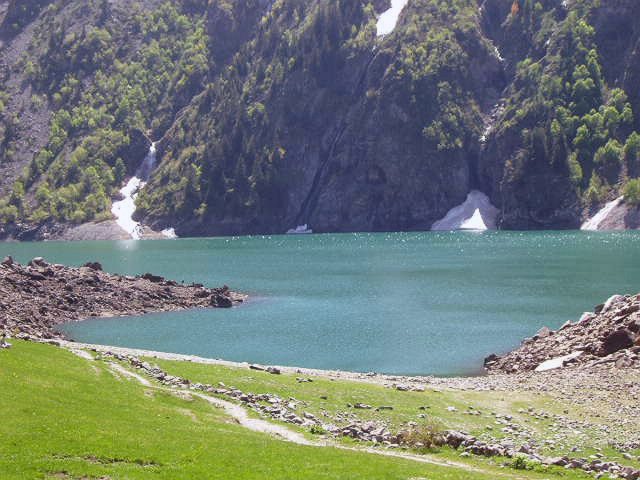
<point x="424" y="303"/>
<point x="560" y="415"/>
<point x="38" y="297"/>
<point x="604" y="393"/>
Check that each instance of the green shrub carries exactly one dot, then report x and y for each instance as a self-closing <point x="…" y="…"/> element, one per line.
<point x="632" y="192"/>
<point x="425" y="436"/>
<point x="521" y="462"/>
<point x="317" y="430"/>
<point x="597" y="191"/>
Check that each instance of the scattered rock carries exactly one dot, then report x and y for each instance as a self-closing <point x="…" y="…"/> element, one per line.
<point x="36" y="298"/>
<point x="152" y="278"/>
<point x="97" y="266"/>
<point x="606" y="336"/>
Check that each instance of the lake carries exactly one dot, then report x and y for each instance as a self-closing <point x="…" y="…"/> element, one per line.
<point x="403" y="303"/>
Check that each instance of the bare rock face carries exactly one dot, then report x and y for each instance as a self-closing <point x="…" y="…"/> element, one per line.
<point x="37" y="297"/>
<point x="19" y="13"/>
<point x="610" y="335"/>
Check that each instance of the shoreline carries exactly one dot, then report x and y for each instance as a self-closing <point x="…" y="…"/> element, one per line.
<point x="603" y="393"/>
<point x="84" y="233"/>
<point x="489" y="381"/>
<point x="38" y="297"/>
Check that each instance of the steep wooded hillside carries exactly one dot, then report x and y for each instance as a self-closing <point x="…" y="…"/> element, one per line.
<point x="274" y="113"/>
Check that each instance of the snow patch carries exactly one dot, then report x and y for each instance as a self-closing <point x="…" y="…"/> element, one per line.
<point x="559" y="362"/>
<point x="608" y="305"/>
<point x="476" y="213"/>
<point x="169" y="233"/>
<point x="593" y="224"/>
<point x="300" y="230"/>
<point x="125" y="208"/>
<point x="389" y="19"/>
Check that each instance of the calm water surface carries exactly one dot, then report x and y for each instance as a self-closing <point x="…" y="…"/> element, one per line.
<point x="428" y="303"/>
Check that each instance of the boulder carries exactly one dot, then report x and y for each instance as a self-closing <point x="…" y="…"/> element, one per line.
<point x="454" y="439"/>
<point x="221" y="301"/>
<point x="610" y="303"/>
<point x="558" y="362"/>
<point x="38" y="262"/>
<point x="587" y="317"/>
<point x="152" y="278"/>
<point x="544" y="332"/>
<point x="94" y="266"/>
<point x="491" y="359"/>
<point x="618" y="340"/>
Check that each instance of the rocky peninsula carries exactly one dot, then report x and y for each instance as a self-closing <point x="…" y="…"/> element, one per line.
<point x="37" y="297"/>
<point x="608" y="335"/>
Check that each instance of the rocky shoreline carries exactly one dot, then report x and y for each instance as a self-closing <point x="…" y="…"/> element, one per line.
<point x="517" y="443"/>
<point x="608" y="335"/>
<point x="37" y="297"/>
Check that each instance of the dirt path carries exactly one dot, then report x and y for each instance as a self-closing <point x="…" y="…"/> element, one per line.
<point x="254" y="424"/>
<point x="239" y="414"/>
<point x="119" y="369"/>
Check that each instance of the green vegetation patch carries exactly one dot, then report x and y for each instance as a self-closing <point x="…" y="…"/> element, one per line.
<point x="65" y="417"/>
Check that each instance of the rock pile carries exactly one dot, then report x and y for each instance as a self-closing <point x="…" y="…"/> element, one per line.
<point x="611" y="334"/>
<point x="34" y="298"/>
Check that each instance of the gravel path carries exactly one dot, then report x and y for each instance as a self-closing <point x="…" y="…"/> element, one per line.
<point x="241" y="415"/>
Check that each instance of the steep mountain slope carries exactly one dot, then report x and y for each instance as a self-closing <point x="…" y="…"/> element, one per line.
<point x="275" y="113"/>
<point x="563" y="141"/>
<point x="320" y="122"/>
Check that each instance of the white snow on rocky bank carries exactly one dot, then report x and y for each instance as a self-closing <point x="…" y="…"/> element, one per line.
<point x="476" y="213"/>
<point x="389" y="19"/>
<point x="125" y="208"/>
<point x="593" y="224"/>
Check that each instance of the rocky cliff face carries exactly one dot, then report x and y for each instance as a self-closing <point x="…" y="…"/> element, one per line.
<point x="276" y="114"/>
<point x="351" y="130"/>
<point x="546" y="161"/>
<point x="18" y="14"/>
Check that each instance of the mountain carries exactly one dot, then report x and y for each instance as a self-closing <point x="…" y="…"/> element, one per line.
<point x="269" y="114"/>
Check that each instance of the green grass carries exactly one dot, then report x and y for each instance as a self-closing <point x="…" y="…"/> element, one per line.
<point x="61" y="414"/>
<point x="65" y="417"/>
<point x="406" y="405"/>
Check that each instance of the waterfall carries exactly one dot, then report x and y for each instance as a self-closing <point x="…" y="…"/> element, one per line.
<point x="491" y="120"/>
<point x="125" y="208"/>
<point x="593" y="224"/>
<point x="389" y="19"/>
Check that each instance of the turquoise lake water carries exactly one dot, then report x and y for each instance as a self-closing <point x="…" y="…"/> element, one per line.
<point x="406" y="303"/>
